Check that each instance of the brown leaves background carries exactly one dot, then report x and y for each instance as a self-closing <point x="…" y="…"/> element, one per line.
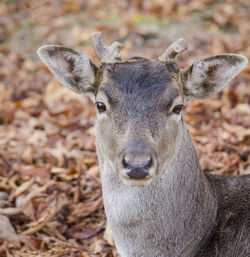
<point x="50" y="192"/>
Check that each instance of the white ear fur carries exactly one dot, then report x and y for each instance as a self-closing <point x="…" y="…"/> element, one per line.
<point x="73" y="69"/>
<point x="209" y="76"/>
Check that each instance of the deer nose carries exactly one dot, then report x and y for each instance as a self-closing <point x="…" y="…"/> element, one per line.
<point x="137" y="171"/>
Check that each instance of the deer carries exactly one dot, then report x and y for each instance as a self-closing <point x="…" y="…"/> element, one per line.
<point x="158" y="201"/>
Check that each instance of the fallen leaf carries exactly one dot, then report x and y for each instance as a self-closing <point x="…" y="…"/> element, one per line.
<point x="7" y="232"/>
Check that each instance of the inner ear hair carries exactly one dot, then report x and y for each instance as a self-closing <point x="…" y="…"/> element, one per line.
<point x="210" y="75"/>
<point x="73" y="69"/>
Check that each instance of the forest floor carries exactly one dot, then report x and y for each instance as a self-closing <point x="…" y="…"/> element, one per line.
<point x="50" y="190"/>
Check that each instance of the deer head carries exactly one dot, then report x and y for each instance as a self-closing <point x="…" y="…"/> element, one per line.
<point x="139" y="101"/>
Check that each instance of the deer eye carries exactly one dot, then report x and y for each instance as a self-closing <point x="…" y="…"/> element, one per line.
<point x="100" y="107"/>
<point x="178" y="108"/>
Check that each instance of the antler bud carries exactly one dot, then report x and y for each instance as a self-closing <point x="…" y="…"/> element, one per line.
<point x="105" y="54"/>
<point x="176" y="48"/>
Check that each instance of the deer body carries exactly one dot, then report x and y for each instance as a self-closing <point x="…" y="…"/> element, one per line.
<point x="158" y="201"/>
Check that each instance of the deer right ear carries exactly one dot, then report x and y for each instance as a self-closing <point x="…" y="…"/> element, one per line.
<point x="208" y="76"/>
<point x="73" y="69"/>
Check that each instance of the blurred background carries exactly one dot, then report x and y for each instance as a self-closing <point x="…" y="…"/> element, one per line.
<point x="50" y="191"/>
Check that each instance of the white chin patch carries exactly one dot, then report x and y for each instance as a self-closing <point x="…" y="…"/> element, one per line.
<point x="137" y="182"/>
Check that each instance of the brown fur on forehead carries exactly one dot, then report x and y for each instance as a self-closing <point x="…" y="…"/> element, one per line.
<point x="141" y="76"/>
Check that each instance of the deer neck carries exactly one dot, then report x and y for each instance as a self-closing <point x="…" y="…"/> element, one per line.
<point x="179" y="203"/>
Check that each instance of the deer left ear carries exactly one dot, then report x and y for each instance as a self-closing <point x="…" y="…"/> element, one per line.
<point x="73" y="69"/>
<point x="207" y="77"/>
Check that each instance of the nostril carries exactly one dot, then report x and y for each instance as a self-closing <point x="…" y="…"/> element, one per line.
<point x="148" y="164"/>
<point x="145" y="165"/>
<point x="126" y="163"/>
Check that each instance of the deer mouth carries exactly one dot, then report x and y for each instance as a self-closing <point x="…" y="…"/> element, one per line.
<point x="137" y="182"/>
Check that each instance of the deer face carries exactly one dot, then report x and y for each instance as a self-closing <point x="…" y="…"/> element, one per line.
<point x="138" y="116"/>
<point x="139" y="102"/>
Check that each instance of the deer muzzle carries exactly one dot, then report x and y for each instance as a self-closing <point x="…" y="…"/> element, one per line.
<point x="137" y="163"/>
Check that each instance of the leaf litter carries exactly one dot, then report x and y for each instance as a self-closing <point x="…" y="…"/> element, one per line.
<point x="50" y="190"/>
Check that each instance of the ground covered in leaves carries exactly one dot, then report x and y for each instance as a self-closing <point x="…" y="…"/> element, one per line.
<point x="50" y="191"/>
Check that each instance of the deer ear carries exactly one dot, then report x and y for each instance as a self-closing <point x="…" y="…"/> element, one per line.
<point x="73" y="69"/>
<point x="209" y="76"/>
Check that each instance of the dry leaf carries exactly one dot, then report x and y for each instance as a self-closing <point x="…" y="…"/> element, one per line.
<point x="48" y="214"/>
<point x="7" y="232"/>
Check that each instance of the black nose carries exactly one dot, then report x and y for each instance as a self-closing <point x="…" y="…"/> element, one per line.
<point x="137" y="171"/>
